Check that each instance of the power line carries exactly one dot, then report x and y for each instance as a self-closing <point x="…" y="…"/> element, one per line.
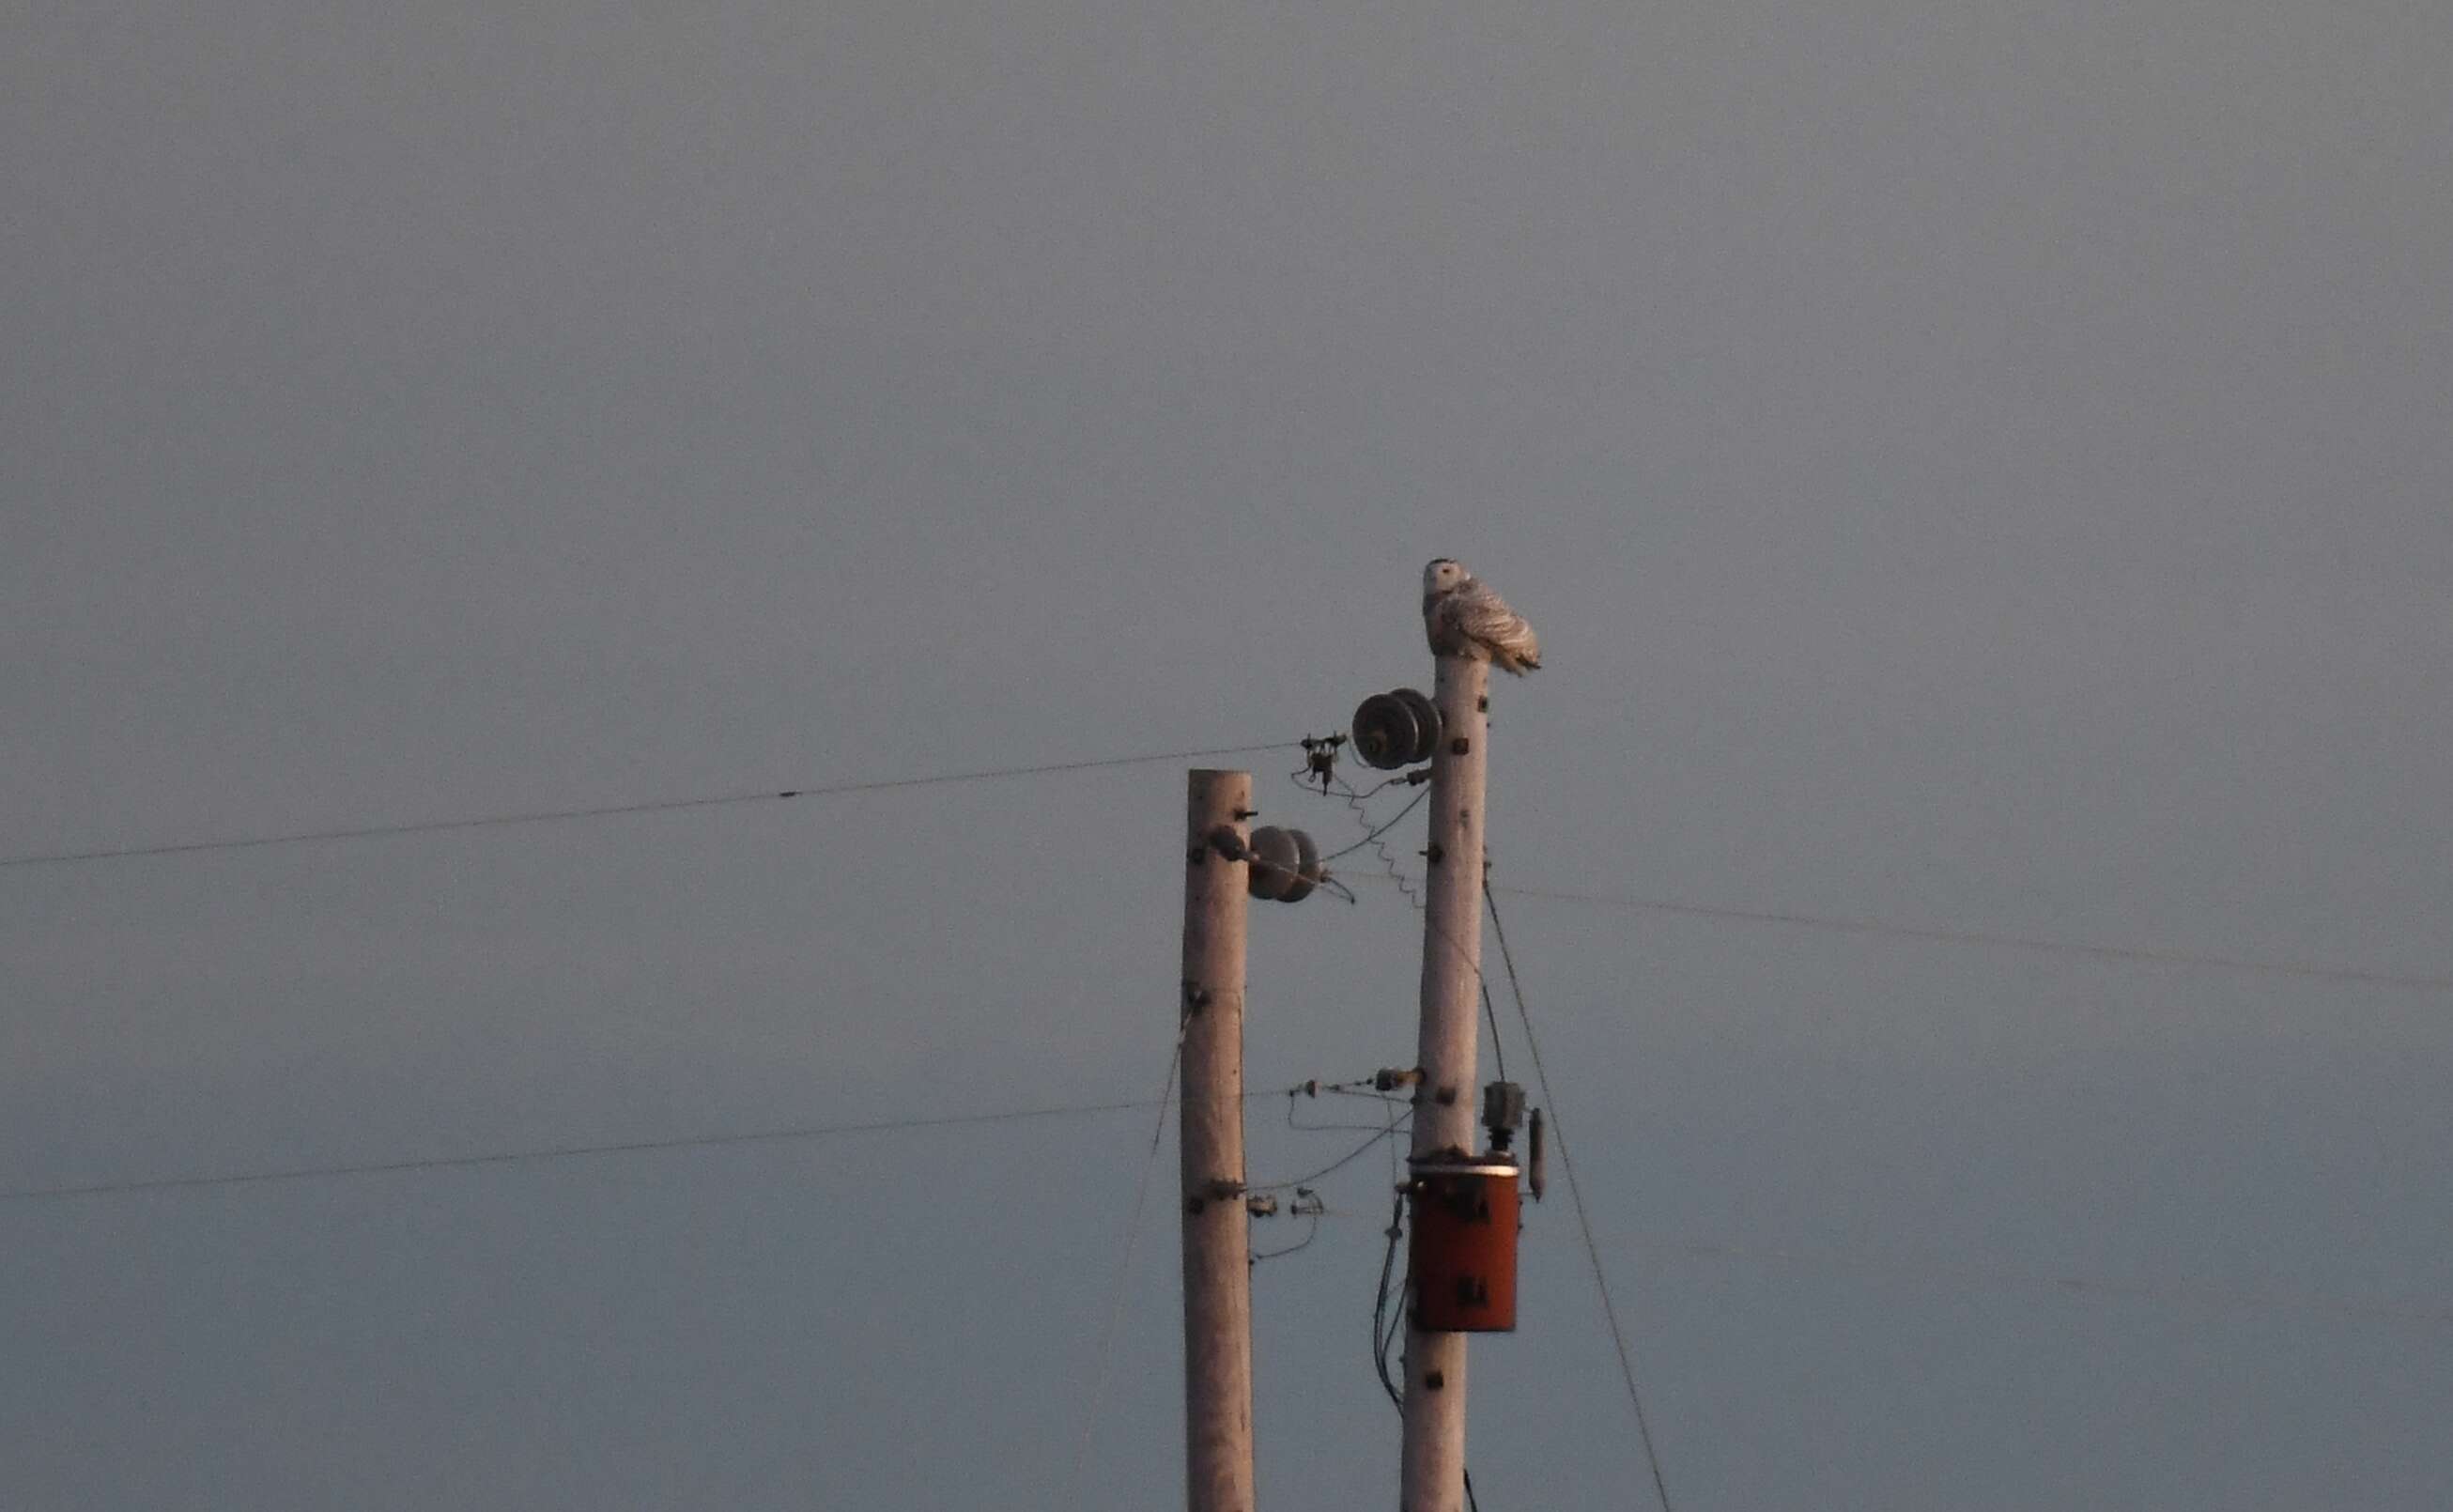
<point x="560" y="1152"/>
<point x="1975" y="936"/>
<point x="1311" y="1232"/>
<point x="1576" y="1190"/>
<point x="1980" y="937"/>
<point x="1294" y="1092"/>
<point x="1397" y="1121"/>
<point x="1373" y="832"/>
<point x="2166" y="1289"/>
<point x="1124" y="1267"/>
<point x="614" y="810"/>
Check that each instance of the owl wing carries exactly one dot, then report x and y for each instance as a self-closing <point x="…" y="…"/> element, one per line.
<point x="1481" y="616"/>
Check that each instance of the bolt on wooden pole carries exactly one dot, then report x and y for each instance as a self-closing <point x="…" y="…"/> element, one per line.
<point x="1217" y="1230"/>
<point x="1432" y="1469"/>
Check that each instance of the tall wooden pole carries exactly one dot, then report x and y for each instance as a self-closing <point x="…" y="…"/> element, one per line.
<point x="1432" y="1470"/>
<point x="1217" y="1238"/>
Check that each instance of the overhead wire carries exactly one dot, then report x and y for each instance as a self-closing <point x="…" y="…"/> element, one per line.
<point x="539" y="1154"/>
<point x="562" y="1152"/>
<point x="1372" y="833"/>
<point x="2437" y="1312"/>
<point x="1313" y="1212"/>
<point x="1295" y="1092"/>
<point x="540" y="816"/>
<point x="1396" y="1122"/>
<point x="1125" y="1268"/>
<point x="1969" y="937"/>
<point x="1840" y="924"/>
<point x="2426" y="982"/>
<point x="1303" y="780"/>
<point x="1576" y="1191"/>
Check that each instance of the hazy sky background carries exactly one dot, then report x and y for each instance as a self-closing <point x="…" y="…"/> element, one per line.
<point x="1982" y="467"/>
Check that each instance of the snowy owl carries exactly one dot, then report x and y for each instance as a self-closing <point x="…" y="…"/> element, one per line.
<point x="1465" y="618"/>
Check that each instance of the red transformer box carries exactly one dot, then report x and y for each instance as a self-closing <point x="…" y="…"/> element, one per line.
<point x="1462" y="1257"/>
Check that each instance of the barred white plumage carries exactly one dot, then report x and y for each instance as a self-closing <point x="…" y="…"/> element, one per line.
<point x="1465" y="618"/>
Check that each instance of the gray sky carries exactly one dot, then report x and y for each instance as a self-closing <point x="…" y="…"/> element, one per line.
<point x="1985" y="469"/>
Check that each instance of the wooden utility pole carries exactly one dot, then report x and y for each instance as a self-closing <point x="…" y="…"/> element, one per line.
<point x="1432" y="1469"/>
<point x="1217" y="1230"/>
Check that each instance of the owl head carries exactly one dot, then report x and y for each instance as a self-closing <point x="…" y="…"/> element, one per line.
<point x="1442" y="574"/>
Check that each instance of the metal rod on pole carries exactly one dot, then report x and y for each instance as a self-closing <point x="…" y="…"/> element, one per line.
<point x="1217" y="1239"/>
<point x="1432" y="1469"/>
